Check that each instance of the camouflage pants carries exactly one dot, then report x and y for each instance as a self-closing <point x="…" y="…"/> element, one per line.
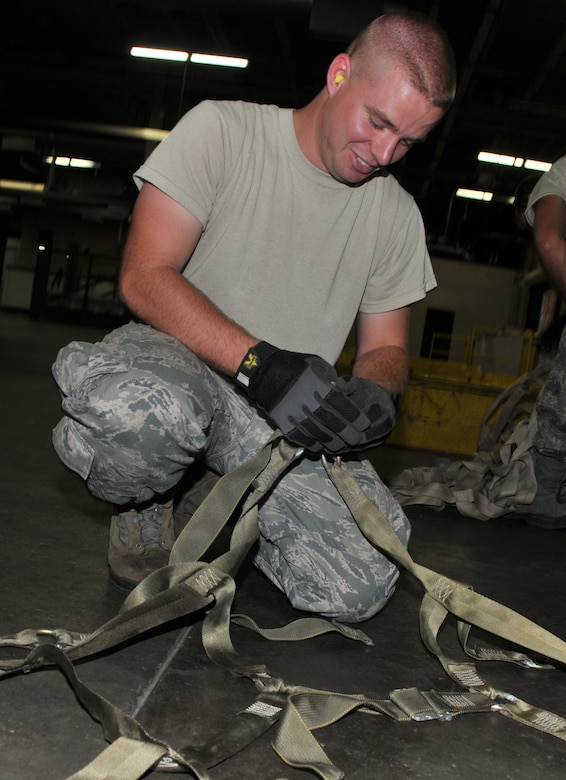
<point x="551" y="408"/>
<point x="140" y="408"/>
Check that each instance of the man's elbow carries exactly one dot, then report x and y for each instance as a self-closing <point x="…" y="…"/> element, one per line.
<point x="123" y="289"/>
<point x="127" y="289"/>
<point x="550" y="249"/>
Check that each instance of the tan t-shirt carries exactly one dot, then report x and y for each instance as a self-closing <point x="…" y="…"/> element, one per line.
<point x="287" y="251"/>
<point x="553" y="182"/>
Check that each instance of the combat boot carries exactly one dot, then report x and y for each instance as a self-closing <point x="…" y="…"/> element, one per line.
<point x="140" y="542"/>
<point x="191" y="495"/>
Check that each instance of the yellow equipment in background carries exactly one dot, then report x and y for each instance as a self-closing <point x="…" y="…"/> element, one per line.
<point x="446" y="400"/>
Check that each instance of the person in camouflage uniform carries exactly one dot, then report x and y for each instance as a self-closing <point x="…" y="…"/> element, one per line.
<point x="259" y="236"/>
<point x="546" y="214"/>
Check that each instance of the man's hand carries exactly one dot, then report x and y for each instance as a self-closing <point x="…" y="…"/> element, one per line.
<point x="376" y="403"/>
<point x="301" y="395"/>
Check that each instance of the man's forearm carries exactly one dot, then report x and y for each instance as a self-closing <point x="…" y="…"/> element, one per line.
<point x="385" y="365"/>
<point x="552" y="253"/>
<point x="168" y="302"/>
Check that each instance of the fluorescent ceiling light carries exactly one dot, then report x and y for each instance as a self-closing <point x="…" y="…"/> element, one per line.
<point x="183" y="56"/>
<point x="501" y="159"/>
<point x="538" y="165"/>
<point x="461" y="192"/>
<point x="217" y="59"/>
<point x="71" y="162"/>
<point x="159" y="54"/>
<point x="514" y="162"/>
<point x="23" y="186"/>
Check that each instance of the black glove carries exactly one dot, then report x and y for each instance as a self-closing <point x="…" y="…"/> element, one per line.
<point x="377" y="404"/>
<point x="299" y="394"/>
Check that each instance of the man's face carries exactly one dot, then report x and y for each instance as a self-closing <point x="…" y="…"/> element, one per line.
<point x="370" y="122"/>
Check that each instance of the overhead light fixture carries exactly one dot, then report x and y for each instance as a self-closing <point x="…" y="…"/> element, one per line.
<point x="217" y="59"/>
<point x="182" y="56"/>
<point x="501" y="159"/>
<point x="514" y="162"/>
<point x="21" y="186"/>
<point x="538" y="165"/>
<point x="462" y="192"/>
<point x="159" y="54"/>
<point x="71" y="162"/>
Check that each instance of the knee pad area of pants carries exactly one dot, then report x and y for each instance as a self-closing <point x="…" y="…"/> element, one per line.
<point x="354" y="604"/>
<point x="140" y="434"/>
<point x="353" y="594"/>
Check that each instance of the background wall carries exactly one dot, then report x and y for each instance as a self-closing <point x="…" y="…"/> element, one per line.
<point x="480" y="296"/>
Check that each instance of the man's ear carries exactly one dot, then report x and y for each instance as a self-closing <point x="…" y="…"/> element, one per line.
<point x="338" y="72"/>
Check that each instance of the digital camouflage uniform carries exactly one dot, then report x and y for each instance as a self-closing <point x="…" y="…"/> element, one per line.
<point x="551" y="403"/>
<point x="141" y="408"/>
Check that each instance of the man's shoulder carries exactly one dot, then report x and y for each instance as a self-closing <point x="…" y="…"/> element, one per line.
<point x="553" y="182"/>
<point x="237" y="109"/>
<point x="231" y="122"/>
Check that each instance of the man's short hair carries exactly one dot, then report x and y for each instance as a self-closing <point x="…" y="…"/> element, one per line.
<point x="417" y="41"/>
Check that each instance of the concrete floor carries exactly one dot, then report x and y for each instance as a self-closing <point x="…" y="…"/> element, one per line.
<point x="53" y="574"/>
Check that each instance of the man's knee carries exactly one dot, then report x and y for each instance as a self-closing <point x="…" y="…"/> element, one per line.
<point x="355" y="593"/>
<point x="130" y="434"/>
<point x="361" y="599"/>
<point x="369" y="597"/>
<point x="113" y="473"/>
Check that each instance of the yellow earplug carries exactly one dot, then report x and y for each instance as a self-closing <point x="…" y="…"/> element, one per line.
<point x="339" y="78"/>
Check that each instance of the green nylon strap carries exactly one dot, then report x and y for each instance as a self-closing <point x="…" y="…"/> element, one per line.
<point x="180" y="600"/>
<point x="219" y="506"/>
<point x="459" y="599"/>
<point x="115" y="724"/>
<point x="443" y="596"/>
<point x="482" y="652"/>
<point x="468" y="676"/>
<point x="176" y="601"/>
<point x="304" y="628"/>
<point x="124" y="759"/>
<point x="308" y="711"/>
<point x="245" y="727"/>
<point x="186" y="586"/>
<point x="170" y="592"/>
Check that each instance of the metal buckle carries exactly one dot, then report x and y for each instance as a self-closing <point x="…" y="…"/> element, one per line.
<point x="61" y="638"/>
<point x="419" y="717"/>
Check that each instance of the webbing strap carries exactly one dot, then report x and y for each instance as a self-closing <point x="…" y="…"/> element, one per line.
<point x="308" y="711"/>
<point x="136" y="750"/>
<point x="220" y="504"/>
<point x="175" y="601"/>
<point x="186" y="586"/>
<point x="484" y="653"/>
<point x="245" y="727"/>
<point x="444" y="596"/>
<point x="304" y="628"/>
<point x="124" y="759"/>
<point x="178" y="589"/>
<point x="456" y="597"/>
<point x="468" y="676"/>
<point x="173" y="591"/>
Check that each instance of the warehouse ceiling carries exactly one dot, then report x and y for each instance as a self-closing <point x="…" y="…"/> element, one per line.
<point x="70" y="87"/>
